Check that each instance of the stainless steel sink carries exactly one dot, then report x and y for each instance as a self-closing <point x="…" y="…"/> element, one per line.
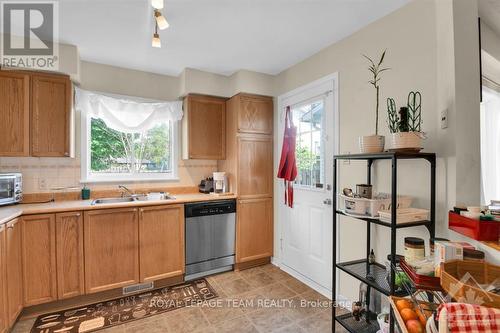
<point x="132" y="198"/>
<point x="112" y="200"/>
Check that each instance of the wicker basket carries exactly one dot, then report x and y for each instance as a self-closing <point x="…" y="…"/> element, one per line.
<point x="461" y="279"/>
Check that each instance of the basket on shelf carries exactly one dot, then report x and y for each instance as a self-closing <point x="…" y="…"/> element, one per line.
<point x="421" y="282"/>
<point x="465" y="282"/>
<point x="426" y="307"/>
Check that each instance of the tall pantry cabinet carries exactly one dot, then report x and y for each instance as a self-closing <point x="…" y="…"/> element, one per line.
<point x="249" y="165"/>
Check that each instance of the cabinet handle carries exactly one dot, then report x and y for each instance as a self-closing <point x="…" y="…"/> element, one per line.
<point x="77" y="214"/>
<point x="66" y="153"/>
<point x="10" y="227"/>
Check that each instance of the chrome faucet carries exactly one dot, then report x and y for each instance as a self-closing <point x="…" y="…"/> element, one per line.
<point x="126" y="189"/>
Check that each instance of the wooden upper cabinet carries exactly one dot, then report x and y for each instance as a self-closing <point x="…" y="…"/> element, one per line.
<point x="255" y="114"/>
<point x="69" y="255"/>
<point x="15" y="270"/>
<point x="51" y="98"/>
<point x="255" y="166"/>
<point x="14" y="113"/>
<point x="161" y="239"/>
<point x="111" y="248"/>
<point x="39" y="259"/>
<point x="204" y="128"/>
<point x="254" y="229"/>
<point x="4" y="322"/>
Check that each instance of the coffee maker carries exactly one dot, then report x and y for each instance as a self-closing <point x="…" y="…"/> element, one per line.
<point x="220" y="182"/>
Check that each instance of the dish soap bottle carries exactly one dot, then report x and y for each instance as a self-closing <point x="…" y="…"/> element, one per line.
<point x="85" y="192"/>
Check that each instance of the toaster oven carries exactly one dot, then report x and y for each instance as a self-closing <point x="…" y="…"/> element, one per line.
<point x="11" y="188"/>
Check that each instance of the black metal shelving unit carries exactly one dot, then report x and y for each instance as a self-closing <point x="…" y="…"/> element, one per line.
<point x="360" y="268"/>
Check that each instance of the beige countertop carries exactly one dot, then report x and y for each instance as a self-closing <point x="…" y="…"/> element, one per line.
<point x="11" y="212"/>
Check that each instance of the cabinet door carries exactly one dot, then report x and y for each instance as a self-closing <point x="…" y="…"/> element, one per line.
<point x="161" y="234"/>
<point x="254" y="229"/>
<point x="205" y="128"/>
<point x="4" y="323"/>
<point x="255" y="166"/>
<point x="39" y="259"/>
<point x="111" y="247"/>
<point x="69" y="254"/>
<point x="14" y="114"/>
<point x="255" y="114"/>
<point x="51" y="97"/>
<point x="15" y="270"/>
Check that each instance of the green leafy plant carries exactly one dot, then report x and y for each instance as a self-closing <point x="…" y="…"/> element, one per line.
<point x="414" y="111"/>
<point x="410" y="116"/>
<point x="376" y="70"/>
<point x="392" y="119"/>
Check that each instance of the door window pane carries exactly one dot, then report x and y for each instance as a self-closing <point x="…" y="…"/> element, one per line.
<point x="308" y="118"/>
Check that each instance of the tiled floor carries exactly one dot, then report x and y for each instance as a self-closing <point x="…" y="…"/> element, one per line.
<point x="259" y="300"/>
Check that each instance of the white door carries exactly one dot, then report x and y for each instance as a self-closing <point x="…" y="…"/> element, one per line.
<point x="306" y="229"/>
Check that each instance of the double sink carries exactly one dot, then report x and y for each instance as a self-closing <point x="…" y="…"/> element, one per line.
<point x="132" y="198"/>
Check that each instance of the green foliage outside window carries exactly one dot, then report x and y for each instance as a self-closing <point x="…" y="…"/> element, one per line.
<point x="113" y="151"/>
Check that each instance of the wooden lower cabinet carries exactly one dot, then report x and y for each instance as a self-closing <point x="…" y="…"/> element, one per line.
<point x="111" y="243"/>
<point x="39" y="259"/>
<point x="69" y="254"/>
<point x="4" y="323"/>
<point x="161" y="239"/>
<point x="254" y="229"/>
<point x="15" y="269"/>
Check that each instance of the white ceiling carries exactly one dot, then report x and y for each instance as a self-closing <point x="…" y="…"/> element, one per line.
<point x="219" y="36"/>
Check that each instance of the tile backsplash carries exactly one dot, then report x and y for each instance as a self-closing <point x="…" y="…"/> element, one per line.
<point x="43" y="174"/>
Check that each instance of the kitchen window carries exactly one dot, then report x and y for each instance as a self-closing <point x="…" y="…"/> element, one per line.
<point x="127" y="139"/>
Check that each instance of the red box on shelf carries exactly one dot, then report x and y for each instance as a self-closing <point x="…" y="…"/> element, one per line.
<point x="475" y="229"/>
<point x="422" y="282"/>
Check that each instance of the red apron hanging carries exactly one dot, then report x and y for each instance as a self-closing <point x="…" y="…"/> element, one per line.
<point x="288" y="168"/>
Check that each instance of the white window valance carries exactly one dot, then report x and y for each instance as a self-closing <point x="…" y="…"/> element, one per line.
<point x="125" y="113"/>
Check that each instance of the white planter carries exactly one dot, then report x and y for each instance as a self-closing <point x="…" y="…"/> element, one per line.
<point x="371" y="144"/>
<point x="406" y="141"/>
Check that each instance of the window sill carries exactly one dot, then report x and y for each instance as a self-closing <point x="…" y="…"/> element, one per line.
<point x="129" y="180"/>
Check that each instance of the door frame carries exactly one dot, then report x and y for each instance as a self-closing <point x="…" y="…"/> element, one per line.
<point x="279" y="211"/>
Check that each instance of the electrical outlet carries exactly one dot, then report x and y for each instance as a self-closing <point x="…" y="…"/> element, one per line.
<point x="444" y="119"/>
<point x="42" y="184"/>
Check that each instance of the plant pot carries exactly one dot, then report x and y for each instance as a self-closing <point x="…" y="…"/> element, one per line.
<point x="406" y="141"/>
<point x="371" y="144"/>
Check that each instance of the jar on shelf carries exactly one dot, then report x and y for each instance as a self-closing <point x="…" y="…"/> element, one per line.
<point x="414" y="249"/>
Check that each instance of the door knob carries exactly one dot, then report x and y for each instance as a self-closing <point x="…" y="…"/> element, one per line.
<point x="327" y="201"/>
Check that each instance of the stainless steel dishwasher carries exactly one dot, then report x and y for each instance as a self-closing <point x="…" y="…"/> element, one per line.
<point x="210" y="237"/>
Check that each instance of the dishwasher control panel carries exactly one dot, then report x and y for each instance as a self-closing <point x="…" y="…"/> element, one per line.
<point x="210" y="208"/>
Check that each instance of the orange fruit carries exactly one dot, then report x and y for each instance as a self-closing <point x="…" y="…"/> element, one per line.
<point x="414" y="326"/>
<point x="403" y="304"/>
<point x="408" y="314"/>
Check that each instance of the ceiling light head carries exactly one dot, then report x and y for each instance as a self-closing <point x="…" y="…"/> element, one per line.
<point x="156" y="41"/>
<point x="161" y="20"/>
<point x="157" y="4"/>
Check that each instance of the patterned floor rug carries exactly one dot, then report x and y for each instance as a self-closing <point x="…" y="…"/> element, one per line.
<point x="125" y="309"/>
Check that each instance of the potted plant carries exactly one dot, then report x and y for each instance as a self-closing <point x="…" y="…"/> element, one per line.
<point x="406" y="128"/>
<point x="374" y="143"/>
